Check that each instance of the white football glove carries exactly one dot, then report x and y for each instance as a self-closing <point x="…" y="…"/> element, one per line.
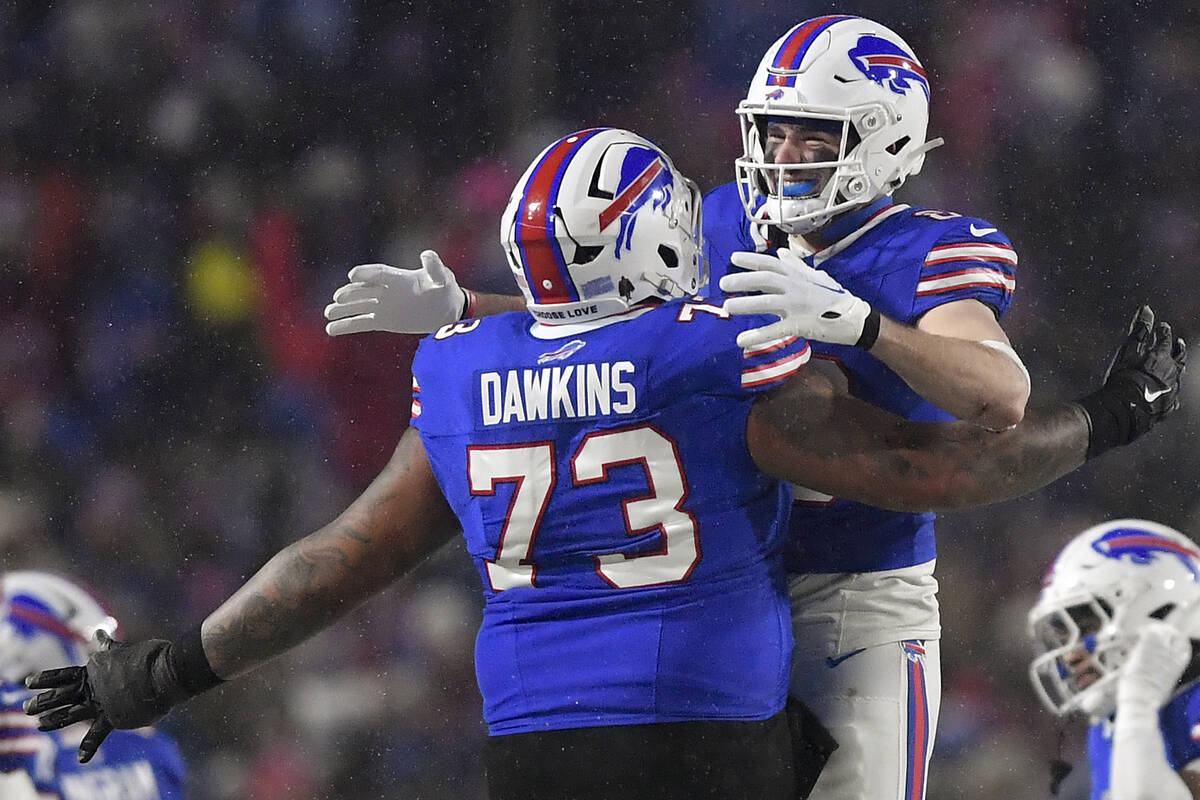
<point x="808" y="302"/>
<point x="18" y="786"/>
<point x="1153" y="668"/>
<point x="383" y="298"/>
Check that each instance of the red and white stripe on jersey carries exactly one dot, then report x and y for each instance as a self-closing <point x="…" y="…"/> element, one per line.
<point x="773" y="362"/>
<point x="951" y="267"/>
<point x="416" y="399"/>
<point x="18" y="734"/>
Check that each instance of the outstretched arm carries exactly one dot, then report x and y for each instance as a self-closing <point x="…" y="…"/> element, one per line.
<point x="808" y="433"/>
<point x="383" y="298"/>
<point x="400" y="519"/>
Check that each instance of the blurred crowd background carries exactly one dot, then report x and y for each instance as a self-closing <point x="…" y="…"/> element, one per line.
<point x="183" y="184"/>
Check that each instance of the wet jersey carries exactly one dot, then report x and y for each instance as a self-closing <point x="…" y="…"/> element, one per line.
<point x="1179" y="722"/>
<point x="904" y="261"/>
<point x="131" y="765"/>
<point x="629" y="548"/>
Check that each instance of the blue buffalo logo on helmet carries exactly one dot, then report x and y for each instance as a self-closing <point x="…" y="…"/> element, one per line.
<point x="1143" y="547"/>
<point x="644" y="178"/>
<point x="888" y="65"/>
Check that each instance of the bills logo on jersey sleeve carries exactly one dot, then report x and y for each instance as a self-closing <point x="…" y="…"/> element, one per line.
<point x="888" y="65"/>
<point x="1143" y="547"/>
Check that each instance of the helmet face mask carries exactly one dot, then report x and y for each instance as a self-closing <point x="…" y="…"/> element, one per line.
<point x="1104" y="586"/>
<point x="843" y="70"/>
<point x="46" y="621"/>
<point x="601" y="221"/>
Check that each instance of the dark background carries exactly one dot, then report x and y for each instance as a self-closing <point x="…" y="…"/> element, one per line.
<point x="184" y="184"/>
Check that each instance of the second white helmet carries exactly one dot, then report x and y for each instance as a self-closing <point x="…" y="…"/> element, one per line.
<point x="860" y="79"/>
<point x="46" y="621"/>
<point x="1104" y="586"/>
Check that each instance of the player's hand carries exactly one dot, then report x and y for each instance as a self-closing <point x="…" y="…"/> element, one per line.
<point x="383" y="298"/>
<point x="808" y="302"/>
<point x="1153" y="667"/>
<point x="122" y="686"/>
<point x="1140" y="387"/>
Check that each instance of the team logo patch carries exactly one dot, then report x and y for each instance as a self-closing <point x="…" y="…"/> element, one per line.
<point x="644" y="178"/>
<point x="913" y="651"/>
<point x="888" y="65"/>
<point x="775" y="95"/>
<point x="1143" y="547"/>
<point x="561" y="354"/>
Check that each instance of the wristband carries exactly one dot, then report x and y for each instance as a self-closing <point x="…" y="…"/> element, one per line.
<point x="1109" y="422"/>
<point x="870" y="331"/>
<point x="469" y="303"/>
<point x="190" y="664"/>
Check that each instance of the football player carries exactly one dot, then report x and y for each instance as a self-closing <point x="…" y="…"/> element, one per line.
<point x="1114" y="628"/>
<point x="47" y="621"/>
<point x="903" y="302"/>
<point x="619" y="467"/>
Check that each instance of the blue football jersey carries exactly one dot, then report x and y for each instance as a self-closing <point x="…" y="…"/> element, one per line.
<point x="131" y="765"/>
<point x="904" y="261"/>
<point x="628" y="546"/>
<point x="1179" y="722"/>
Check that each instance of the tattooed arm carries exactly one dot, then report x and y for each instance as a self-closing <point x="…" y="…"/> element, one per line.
<point x="400" y="519"/>
<point x="808" y="433"/>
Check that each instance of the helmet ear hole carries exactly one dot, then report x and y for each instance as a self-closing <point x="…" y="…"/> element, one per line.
<point x="1161" y="612"/>
<point x="586" y="253"/>
<point x="668" y="255"/>
<point x="898" y="145"/>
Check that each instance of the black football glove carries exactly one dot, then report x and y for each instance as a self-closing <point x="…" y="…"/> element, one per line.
<point x="123" y="686"/>
<point x="1141" y="385"/>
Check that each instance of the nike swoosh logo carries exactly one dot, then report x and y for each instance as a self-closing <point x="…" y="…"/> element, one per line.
<point x="981" y="231"/>
<point x="1152" y="396"/>
<point x="833" y="662"/>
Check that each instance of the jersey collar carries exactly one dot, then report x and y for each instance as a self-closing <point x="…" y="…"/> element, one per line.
<point x="846" y="230"/>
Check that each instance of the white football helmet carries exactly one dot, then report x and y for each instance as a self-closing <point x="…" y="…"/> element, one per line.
<point x="1103" y="587"/>
<point x="600" y="221"/>
<point x="46" y="621"/>
<point x="838" y="71"/>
